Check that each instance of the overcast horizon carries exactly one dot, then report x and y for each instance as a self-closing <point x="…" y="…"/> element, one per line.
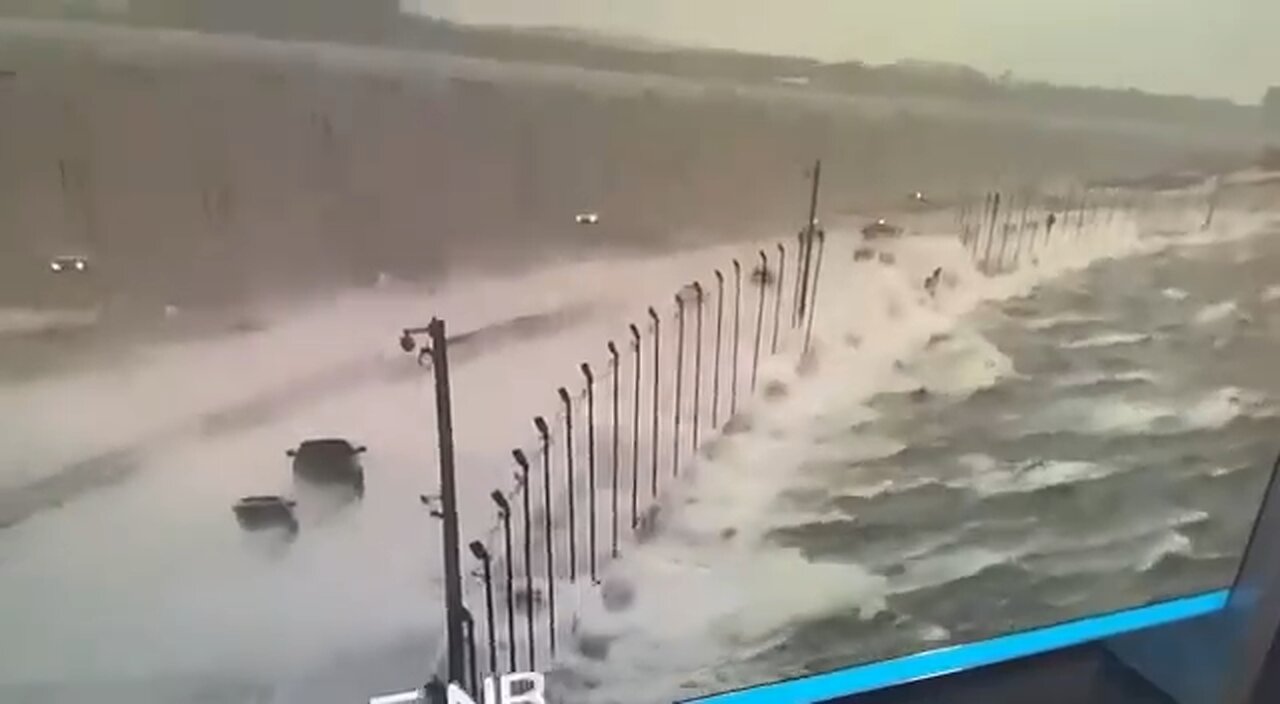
<point x="1191" y="47"/>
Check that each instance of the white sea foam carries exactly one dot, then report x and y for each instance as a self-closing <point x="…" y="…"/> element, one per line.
<point x="1054" y="321"/>
<point x="1118" y="415"/>
<point x="1015" y="479"/>
<point x="25" y="321"/>
<point x="1086" y="379"/>
<point x="1108" y="340"/>
<point x="1173" y="543"/>
<point x="1216" y="312"/>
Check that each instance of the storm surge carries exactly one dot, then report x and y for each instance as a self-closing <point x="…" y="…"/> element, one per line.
<point x="1012" y="452"/>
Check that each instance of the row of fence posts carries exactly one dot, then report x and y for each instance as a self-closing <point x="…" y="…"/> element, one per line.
<point x="614" y="424"/>
<point x="633" y="424"/>
<point x="1009" y="227"/>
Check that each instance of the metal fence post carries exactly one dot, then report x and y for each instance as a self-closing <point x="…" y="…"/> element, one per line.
<point x="591" y="468"/>
<point x="764" y="290"/>
<point x="616" y="361"/>
<point x="653" y="448"/>
<point x="1022" y="228"/>
<point x="635" y="431"/>
<point x="469" y="631"/>
<point x="523" y="462"/>
<point x="675" y="423"/>
<point x="504" y="514"/>
<point x="697" y="365"/>
<point x="795" y="293"/>
<point x="808" y="333"/>
<point x="568" y="461"/>
<point x="991" y="236"/>
<point x="715" y="383"/>
<point x="486" y="561"/>
<point x="777" y="301"/>
<point x="1004" y="235"/>
<point x="548" y="539"/>
<point x="737" y="336"/>
<point x="810" y="226"/>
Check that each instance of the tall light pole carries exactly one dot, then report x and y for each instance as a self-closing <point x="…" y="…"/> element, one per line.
<point x="437" y="350"/>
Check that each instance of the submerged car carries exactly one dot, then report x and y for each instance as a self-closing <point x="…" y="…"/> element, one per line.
<point x="328" y="461"/>
<point x="263" y="512"/>
<point x="881" y="228"/>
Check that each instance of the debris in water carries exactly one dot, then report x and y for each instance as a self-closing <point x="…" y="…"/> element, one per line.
<point x="648" y="526"/>
<point x="594" y="647"/>
<point x="617" y="595"/>
<point x="737" y="424"/>
<point x="931" y="281"/>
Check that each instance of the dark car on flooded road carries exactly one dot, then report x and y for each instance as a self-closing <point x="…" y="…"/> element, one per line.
<point x="262" y="512"/>
<point x="329" y="461"/>
<point x="69" y="264"/>
<point x="880" y="228"/>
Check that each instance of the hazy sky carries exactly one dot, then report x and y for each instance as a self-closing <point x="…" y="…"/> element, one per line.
<point x="1225" y="48"/>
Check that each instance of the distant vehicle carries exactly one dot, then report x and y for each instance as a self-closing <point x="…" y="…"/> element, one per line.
<point x="587" y="218"/>
<point x="329" y="461"/>
<point x="69" y="263"/>
<point x="263" y="512"/>
<point x="881" y="228"/>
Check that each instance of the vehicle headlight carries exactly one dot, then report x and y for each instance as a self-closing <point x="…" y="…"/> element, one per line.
<point x="80" y="265"/>
<point x="55" y="266"/>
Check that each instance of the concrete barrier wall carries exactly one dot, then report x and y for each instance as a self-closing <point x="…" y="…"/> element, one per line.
<point x="209" y="169"/>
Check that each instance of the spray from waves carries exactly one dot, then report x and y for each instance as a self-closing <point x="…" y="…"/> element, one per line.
<point x="1175" y="294"/>
<point x="1064" y="320"/>
<point x="962" y="363"/>
<point x="686" y="611"/>
<point x="25" y="321"/>
<point x="886" y="299"/>
<point x="889" y="335"/>
<point x="1107" y="340"/>
<point x="990" y="477"/>
<point x="1216" y="312"/>
<point x="344" y="338"/>
<point x="1088" y="379"/>
<point x="1270" y="293"/>
<point x="1173" y="543"/>
<point x="1118" y="415"/>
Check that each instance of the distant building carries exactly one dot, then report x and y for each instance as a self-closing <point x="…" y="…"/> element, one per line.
<point x="69" y="9"/>
<point x="303" y="19"/>
<point x="356" y="20"/>
<point x="1271" y="109"/>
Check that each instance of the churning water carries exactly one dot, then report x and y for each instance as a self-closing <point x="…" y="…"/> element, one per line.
<point x="1096" y="441"/>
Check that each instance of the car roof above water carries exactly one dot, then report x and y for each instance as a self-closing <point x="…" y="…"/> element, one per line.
<point x="326" y="445"/>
